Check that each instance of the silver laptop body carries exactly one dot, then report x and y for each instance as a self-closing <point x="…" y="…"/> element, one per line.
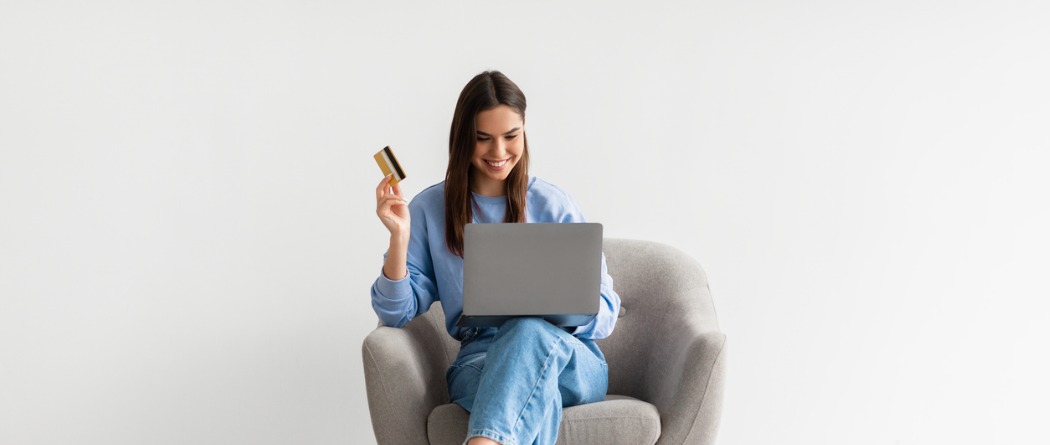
<point x="548" y="270"/>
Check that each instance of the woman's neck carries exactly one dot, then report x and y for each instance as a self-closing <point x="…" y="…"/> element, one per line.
<point x="487" y="187"/>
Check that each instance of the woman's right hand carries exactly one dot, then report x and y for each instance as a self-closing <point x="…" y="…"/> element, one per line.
<point x="392" y="209"/>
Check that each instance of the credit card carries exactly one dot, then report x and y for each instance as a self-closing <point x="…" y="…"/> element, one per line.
<point x="388" y="164"/>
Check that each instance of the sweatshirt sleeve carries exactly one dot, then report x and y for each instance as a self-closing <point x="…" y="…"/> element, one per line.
<point x="608" y="310"/>
<point x="609" y="305"/>
<point x="398" y="301"/>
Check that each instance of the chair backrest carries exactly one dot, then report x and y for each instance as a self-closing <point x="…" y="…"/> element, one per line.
<point x="654" y="281"/>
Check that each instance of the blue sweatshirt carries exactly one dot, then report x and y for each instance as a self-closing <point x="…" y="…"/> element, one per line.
<point x="434" y="273"/>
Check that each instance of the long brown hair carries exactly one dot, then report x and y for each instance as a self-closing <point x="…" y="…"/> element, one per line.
<point x="485" y="91"/>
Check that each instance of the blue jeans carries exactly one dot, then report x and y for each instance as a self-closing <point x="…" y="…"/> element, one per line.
<point x="514" y="380"/>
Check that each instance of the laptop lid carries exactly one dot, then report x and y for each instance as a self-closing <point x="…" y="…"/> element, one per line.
<point x="548" y="270"/>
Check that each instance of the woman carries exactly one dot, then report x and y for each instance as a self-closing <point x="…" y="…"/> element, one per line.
<point x="515" y="379"/>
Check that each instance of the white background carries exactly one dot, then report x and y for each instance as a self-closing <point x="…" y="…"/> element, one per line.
<point x="187" y="226"/>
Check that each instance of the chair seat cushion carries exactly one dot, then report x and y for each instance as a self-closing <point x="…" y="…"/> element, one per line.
<point x="617" y="420"/>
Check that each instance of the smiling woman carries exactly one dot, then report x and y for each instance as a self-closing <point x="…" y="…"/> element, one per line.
<point x="513" y="379"/>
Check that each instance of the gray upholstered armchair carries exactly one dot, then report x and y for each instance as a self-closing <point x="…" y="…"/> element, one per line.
<point x="666" y="363"/>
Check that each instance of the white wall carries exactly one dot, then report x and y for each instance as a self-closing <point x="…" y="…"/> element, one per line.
<point x="187" y="232"/>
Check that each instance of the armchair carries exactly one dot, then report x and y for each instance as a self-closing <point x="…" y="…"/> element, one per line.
<point x="666" y="363"/>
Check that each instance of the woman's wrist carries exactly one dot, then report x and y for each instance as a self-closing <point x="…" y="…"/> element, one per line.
<point x="395" y="267"/>
<point x="395" y="273"/>
<point x="399" y="241"/>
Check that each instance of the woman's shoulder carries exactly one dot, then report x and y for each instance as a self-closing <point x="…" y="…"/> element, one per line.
<point x="551" y="203"/>
<point x="436" y="190"/>
<point x="548" y="192"/>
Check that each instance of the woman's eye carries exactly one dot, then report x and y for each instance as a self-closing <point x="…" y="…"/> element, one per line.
<point x="482" y="138"/>
<point x="511" y="137"/>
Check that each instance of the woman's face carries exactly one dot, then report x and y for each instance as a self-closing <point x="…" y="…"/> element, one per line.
<point x="498" y="147"/>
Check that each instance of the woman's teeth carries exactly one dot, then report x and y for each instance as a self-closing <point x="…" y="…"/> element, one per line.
<point x="497" y="164"/>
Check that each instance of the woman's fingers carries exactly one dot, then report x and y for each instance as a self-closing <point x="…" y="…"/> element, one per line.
<point x="395" y="219"/>
<point x="381" y="190"/>
<point x="397" y="200"/>
<point x="395" y="191"/>
<point x="384" y="206"/>
<point x="387" y="197"/>
<point x="387" y="202"/>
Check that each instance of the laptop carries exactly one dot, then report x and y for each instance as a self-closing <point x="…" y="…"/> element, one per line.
<point x="547" y="270"/>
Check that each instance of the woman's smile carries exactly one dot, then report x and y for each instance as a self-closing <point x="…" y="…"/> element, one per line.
<point x="497" y="165"/>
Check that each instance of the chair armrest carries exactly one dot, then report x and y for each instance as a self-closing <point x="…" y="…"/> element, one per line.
<point x="403" y="385"/>
<point x="687" y="386"/>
